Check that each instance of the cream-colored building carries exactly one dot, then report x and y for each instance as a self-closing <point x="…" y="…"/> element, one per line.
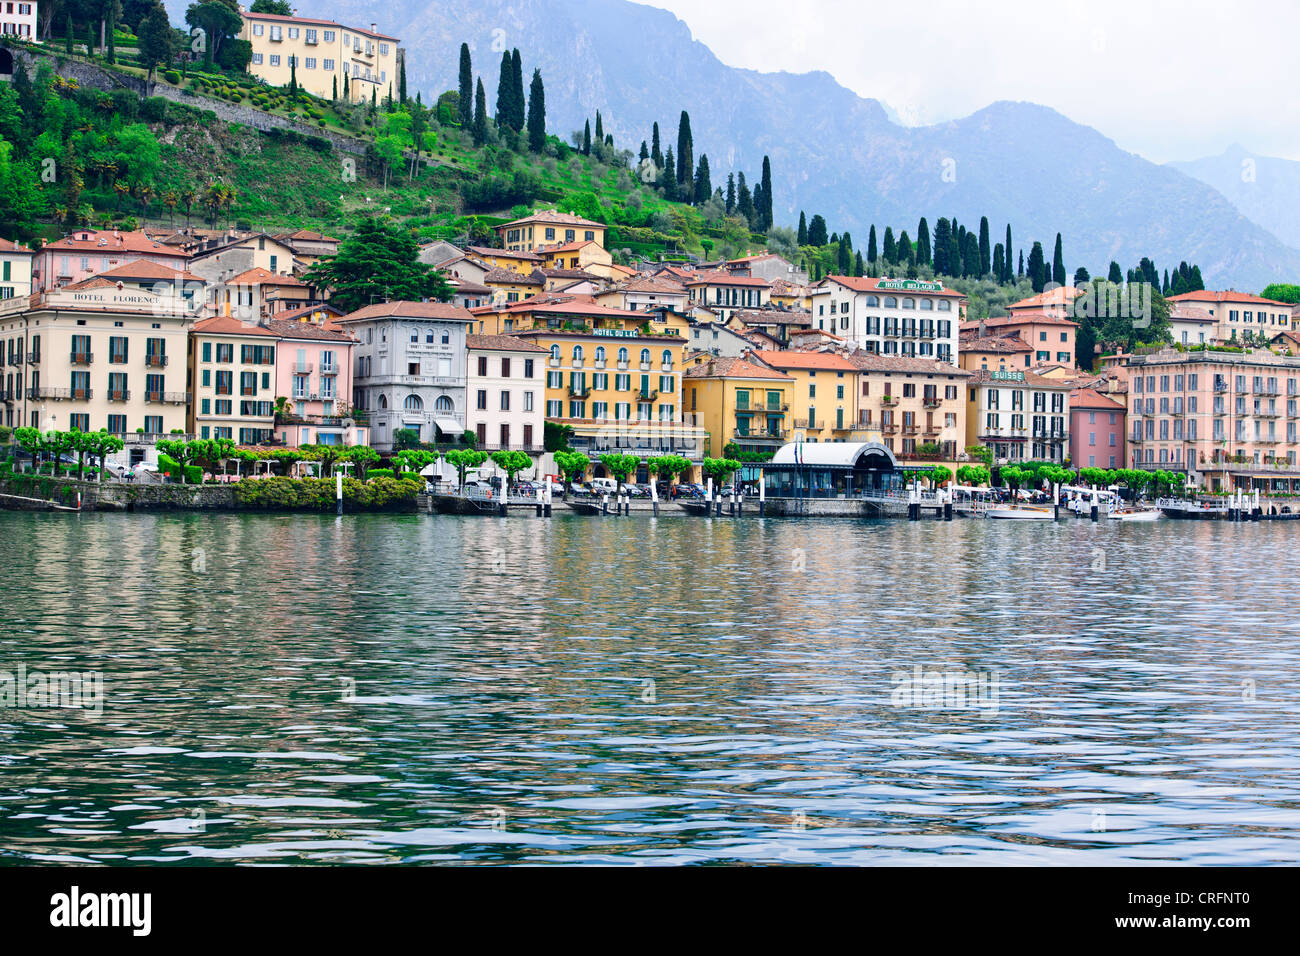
<point x="325" y="52"/>
<point x="15" y="270"/>
<point x="95" y="357"/>
<point x="232" y="366"/>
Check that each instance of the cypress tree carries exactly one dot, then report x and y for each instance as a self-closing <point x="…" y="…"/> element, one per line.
<point x="293" y="77"/>
<point x="703" y="182"/>
<point x="1179" y="286"/>
<point x="1194" y="280"/>
<point x="586" y="139"/>
<point x="891" y="248"/>
<point x="1021" y="270"/>
<point x="505" y="90"/>
<point x="645" y="151"/>
<point x="1164" y="288"/>
<point x="685" y="151"/>
<point x="1007" y="277"/>
<point x="466" y="88"/>
<point x="803" y="229"/>
<point x="537" y="113"/>
<point x="923" y="252"/>
<point x="480" y="114"/>
<point x="904" y="249"/>
<point x="656" y="153"/>
<point x="112" y="25"/>
<point x="873" y="252"/>
<point x="941" y="235"/>
<point x="345" y="88"/>
<point x="765" y="208"/>
<point x="90" y="42"/>
<point x="858" y="266"/>
<point x="401" y="80"/>
<point x="1058" y="263"/>
<point x="955" y="241"/>
<point x="1115" y="276"/>
<point x="757" y="223"/>
<point x="731" y="193"/>
<point x="1037" y="267"/>
<point x="744" y="199"/>
<point x="669" y="179"/>
<point x="609" y="140"/>
<point x="817" y="231"/>
<point x="519" y="106"/>
<point x="335" y="83"/>
<point x="986" y="261"/>
<point x="600" y="128"/>
<point x="67" y="35"/>
<point x="970" y="256"/>
<point x="999" y="262"/>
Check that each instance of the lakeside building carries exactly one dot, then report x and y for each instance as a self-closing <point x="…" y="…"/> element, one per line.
<point x="1190" y="325"/>
<point x="643" y="293"/>
<point x="319" y="54"/>
<point x="217" y="261"/>
<point x="904" y="317"/>
<point x="909" y="403"/>
<point x="1226" y="419"/>
<point x="547" y="227"/>
<point x="314" y="370"/>
<point x="94" y="357"/>
<point x="1237" y="314"/>
<point x="1056" y="302"/>
<point x="15" y="270"/>
<point x="1097" y="428"/>
<point x="1051" y="337"/>
<point x="738" y="401"/>
<point x="232" y="371"/>
<point x="88" y="252"/>
<point x="409" y="369"/>
<point x="1019" y="415"/>
<point x="831" y="470"/>
<point x="18" y="20"/>
<point x="824" y="396"/>
<point x="724" y="294"/>
<point x="1002" y="352"/>
<point x="506" y="393"/>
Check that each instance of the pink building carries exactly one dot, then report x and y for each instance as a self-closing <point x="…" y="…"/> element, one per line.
<point x="88" y="252"/>
<point x="313" y="371"/>
<point x="1097" y="429"/>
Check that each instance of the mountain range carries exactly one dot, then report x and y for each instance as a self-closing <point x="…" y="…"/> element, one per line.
<point x="839" y="154"/>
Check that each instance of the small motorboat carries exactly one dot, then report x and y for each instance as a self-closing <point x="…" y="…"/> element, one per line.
<point x="1022" y="513"/>
<point x="1127" y="515"/>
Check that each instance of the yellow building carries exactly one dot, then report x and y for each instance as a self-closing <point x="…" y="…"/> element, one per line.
<point x="323" y="53"/>
<point x="507" y="287"/>
<point x="549" y="228"/>
<point x="587" y="256"/>
<point x="737" y="401"/>
<point x="824" y="397"/>
<point x="908" y="403"/>
<point x="511" y="260"/>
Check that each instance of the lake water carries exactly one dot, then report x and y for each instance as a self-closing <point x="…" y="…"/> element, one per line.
<point x="425" y="689"/>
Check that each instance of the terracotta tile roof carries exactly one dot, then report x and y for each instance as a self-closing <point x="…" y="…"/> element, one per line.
<point x="113" y="241"/>
<point x="8" y="245"/>
<point x="1061" y="295"/>
<point x="307" y="235"/>
<point x="410" y="310"/>
<point x="1187" y="313"/>
<point x="567" y="305"/>
<point x="228" y="325"/>
<point x="773" y="317"/>
<point x="467" y="287"/>
<point x="1021" y="318"/>
<point x="653" y="284"/>
<point x="999" y="344"/>
<point x="871" y="362"/>
<point x="982" y="376"/>
<point x="725" y="278"/>
<point x="1093" y="399"/>
<point x="94" y="282"/>
<point x="501" y="343"/>
<point x="553" y="217"/>
<point x="722" y="366"/>
<point x="571" y="274"/>
<point x="806" y="361"/>
<point x="308" y="310"/>
<point x="259" y="276"/>
<point x="866" y="284"/>
<point x="498" y="276"/>
<point x="567" y="247"/>
<point x="289" y="329"/>
<point x="144" y="269"/>
<point x="1208" y="295"/>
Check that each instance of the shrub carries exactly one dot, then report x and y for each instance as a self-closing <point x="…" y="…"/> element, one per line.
<point x="154" y="110"/>
<point x="317" y="494"/>
<point x="172" y="77"/>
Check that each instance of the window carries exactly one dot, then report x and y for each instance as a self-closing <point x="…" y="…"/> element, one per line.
<point x="413" y="403"/>
<point x="444" y="404"/>
<point x="328" y="36"/>
<point x="293" y="33"/>
<point x="309" y="62"/>
<point x="257" y="59"/>
<point x="481" y="399"/>
<point x="327" y="65"/>
<point x="275" y="59"/>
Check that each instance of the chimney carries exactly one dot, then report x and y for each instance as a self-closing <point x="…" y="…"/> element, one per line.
<point x="983" y="328"/>
<point x="373" y="28"/>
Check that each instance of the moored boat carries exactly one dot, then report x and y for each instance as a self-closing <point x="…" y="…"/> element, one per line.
<point x="1022" y="513"/>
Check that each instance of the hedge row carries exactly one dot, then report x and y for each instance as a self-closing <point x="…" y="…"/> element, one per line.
<point x="317" y="494"/>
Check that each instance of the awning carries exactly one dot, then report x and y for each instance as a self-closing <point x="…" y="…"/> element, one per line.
<point x="449" y="426"/>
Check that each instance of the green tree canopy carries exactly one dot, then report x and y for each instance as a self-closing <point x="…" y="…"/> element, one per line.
<point x="379" y="262"/>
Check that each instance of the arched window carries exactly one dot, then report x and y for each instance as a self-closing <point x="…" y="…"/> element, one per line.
<point x="383" y="400"/>
<point x="891" y="302"/>
<point x="577" y="353"/>
<point x="444" y="404"/>
<point x="927" y="305"/>
<point x="600" y="353"/>
<point x="446" y="338"/>
<point x="415" y="336"/>
<point x="909" y="303"/>
<point x="645" y="356"/>
<point x="555" y="352"/>
<point x="428" y="337"/>
<point x="945" y="305"/>
<point x="413" y="403"/>
<point x="667" y="358"/>
<point x="873" y="302"/>
<point x="622" y="355"/>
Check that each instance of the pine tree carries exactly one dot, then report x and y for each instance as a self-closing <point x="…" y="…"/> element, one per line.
<point x="645" y="151"/>
<point x="891" y="248"/>
<point x="1194" y="281"/>
<point x="703" y="182"/>
<point x="480" y="114"/>
<point x="586" y="139"/>
<point x="1115" y="276"/>
<point x="1058" y="263"/>
<point x="802" y="240"/>
<point x="466" y="88"/>
<point x="765" y="207"/>
<point x="668" y="181"/>
<point x="1037" y="267"/>
<point x="986" y="260"/>
<point x="941" y="235"/>
<point x="1007" y="277"/>
<point x="518" y="104"/>
<point x="817" y="231"/>
<point x="656" y="153"/>
<point x="537" y="113"/>
<point x="873" y="251"/>
<point x="505" y="90"/>
<point x="685" y="151"/>
<point x="923" y="250"/>
<point x="1081" y="277"/>
<point x="731" y="194"/>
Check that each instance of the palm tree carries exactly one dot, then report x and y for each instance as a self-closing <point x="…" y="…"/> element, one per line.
<point x="121" y="189"/>
<point x="144" y="191"/>
<point x="187" y="197"/>
<point x="170" y="199"/>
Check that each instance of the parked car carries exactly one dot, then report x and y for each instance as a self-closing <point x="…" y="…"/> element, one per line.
<point x="636" y="491"/>
<point x="604" y="486"/>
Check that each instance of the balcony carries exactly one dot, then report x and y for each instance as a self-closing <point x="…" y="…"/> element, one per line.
<point x="739" y="435"/>
<point x="6" y="395"/>
<point x="167" y="398"/>
<point x="154" y="360"/>
<point x="809" y="424"/>
<point x="303" y="368"/>
<point x="889" y="429"/>
<point x="643" y="395"/>
<point x="579" y="391"/>
<point x="622" y="366"/>
<point x="911" y="429"/>
<point x="553" y="361"/>
<point x="118" y="395"/>
<point x="329" y="369"/>
<point x="598" y="363"/>
<point x="889" y="400"/>
<point x="81" y="358"/>
<point x="931" y="403"/>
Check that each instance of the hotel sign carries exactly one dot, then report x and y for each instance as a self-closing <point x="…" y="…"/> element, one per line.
<point x="1002" y="376"/>
<point x="909" y="285"/>
<point x="616" y="333"/>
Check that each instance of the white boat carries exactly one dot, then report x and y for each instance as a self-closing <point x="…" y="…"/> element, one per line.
<point x="1152" y="515"/>
<point x="1021" y="513"/>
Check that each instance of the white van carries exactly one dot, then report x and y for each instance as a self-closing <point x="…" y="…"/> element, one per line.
<point x="602" y="486"/>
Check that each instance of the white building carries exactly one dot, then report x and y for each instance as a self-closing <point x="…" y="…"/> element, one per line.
<point x="18" y="19"/>
<point x="506" y="389"/>
<point x="891" y="316"/>
<point x="1019" y="415"/>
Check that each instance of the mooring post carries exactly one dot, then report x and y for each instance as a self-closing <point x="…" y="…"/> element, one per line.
<point x="654" y="496"/>
<point x="762" y="494"/>
<point x="338" y="491"/>
<point x="540" y="496"/>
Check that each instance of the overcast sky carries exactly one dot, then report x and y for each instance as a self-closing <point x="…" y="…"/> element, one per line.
<point x="1168" y="80"/>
